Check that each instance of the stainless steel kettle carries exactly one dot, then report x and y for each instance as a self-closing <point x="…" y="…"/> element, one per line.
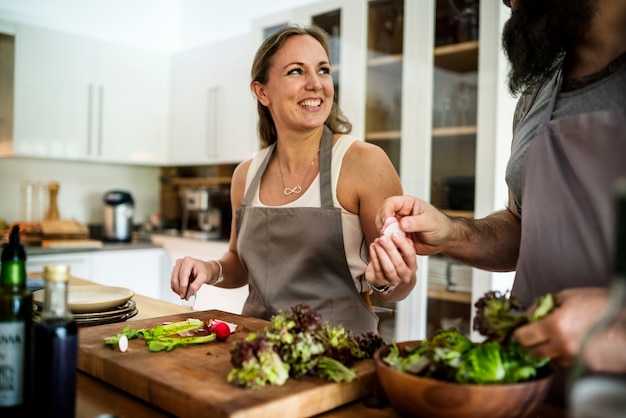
<point x="118" y="216"/>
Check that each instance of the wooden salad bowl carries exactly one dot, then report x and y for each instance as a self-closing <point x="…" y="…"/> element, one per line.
<point x="416" y="396"/>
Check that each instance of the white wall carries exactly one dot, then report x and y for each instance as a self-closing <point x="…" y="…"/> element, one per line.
<point x="206" y="21"/>
<point x="82" y="187"/>
<point x="163" y="25"/>
<point x="153" y="24"/>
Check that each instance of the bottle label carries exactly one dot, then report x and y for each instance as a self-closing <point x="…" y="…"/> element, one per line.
<point x="12" y="335"/>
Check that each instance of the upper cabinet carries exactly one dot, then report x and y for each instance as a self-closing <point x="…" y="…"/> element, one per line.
<point x="383" y="103"/>
<point x="213" y="111"/>
<point x="453" y="153"/>
<point x="53" y="94"/>
<point x="437" y="103"/>
<point x="133" y="104"/>
<point x="80" y="98"/>
<point x="455" y="134"/>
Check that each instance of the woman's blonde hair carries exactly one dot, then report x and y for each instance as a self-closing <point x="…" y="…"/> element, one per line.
<point x="337" y="122"/>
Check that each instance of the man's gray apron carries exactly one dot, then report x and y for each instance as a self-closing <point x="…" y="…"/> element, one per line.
<point x="568" y="215"/>
<point x="296" y="255"/>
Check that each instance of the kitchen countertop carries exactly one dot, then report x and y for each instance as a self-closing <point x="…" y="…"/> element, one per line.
<point x="106" y="246"/>
<point x="95" y="397"/>
<point x="177" y="235"/>
<point x="141" y="242"/>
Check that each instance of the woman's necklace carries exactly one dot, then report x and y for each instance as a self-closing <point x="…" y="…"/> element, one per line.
<point x="297" y="189"/>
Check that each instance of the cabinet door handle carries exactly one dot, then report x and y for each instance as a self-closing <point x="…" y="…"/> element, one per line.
<point x="213" y="96"/>
<point x="100" y="118"/>
<point x="89" y="117"/>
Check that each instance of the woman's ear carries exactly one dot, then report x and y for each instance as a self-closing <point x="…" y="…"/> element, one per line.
<point x="259" y="92"/>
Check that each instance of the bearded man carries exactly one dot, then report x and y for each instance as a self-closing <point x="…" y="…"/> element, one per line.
<point x="568" y="59"/>
<point x="569" y="138"/>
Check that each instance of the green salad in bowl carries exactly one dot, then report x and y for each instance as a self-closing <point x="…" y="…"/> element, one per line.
<point x="448" y="375"/>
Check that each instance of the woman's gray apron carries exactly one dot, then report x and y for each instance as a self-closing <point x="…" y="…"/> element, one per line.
<point x="568" y="213"/>
<point x="296" y="255"/>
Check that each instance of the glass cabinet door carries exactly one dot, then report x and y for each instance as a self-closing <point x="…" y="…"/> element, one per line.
<point x="331" y="22"/>
<point x="384" y="76"/>
<point x="343" y="21"/>
<point x="453" y="159"/>
<point x="383" y="105"/>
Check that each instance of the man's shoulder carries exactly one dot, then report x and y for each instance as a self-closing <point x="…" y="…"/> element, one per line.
<point x="525" y="102"/>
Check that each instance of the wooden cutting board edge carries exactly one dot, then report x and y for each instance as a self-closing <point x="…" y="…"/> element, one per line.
<point x="305" y="397"/>
<point x="71" y="243"/>
<point x="323" y="398"/>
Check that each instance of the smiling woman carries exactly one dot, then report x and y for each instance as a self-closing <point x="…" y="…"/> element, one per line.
<point x="310" y="168"/>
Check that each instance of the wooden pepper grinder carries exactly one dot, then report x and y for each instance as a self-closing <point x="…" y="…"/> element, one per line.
<point x="53" y="209"/>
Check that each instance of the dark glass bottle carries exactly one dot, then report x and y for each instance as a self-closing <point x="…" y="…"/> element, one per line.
<point x="15" y="329"/>
<point x="55" y="349"/>
<point x="598" y="385"/>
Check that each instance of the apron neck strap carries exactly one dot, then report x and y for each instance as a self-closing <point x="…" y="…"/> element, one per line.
<point x="326" y="151"/>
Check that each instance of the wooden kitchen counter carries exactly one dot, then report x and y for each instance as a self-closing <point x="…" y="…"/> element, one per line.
<point x="97" y="399"/>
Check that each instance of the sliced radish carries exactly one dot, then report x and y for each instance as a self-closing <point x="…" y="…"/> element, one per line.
<point x="122" y="344"/>
<point x="391" y="226"/>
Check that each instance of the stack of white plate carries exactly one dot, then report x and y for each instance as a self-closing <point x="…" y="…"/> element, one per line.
<point x="93" y="305"/>
<point x="460" y="279"/>
<point x="438" y="270"/>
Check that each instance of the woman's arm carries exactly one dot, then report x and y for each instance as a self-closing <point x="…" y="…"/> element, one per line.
<point x="367" y="177"/>
<point x="189" y="274"/>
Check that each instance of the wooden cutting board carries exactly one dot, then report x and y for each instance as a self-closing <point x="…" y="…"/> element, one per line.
<point x="71" y="243"/>
<point x="63" y="228"/>
<point x="191" y="381"/>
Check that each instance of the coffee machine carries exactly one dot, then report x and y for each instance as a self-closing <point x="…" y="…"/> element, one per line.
<point x="203" y="213"/>
<point x="118" y="216"/>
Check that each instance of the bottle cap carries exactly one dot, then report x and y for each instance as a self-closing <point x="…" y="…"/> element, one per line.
<point x="13" y="250"/>
<point x="56" y="272"/>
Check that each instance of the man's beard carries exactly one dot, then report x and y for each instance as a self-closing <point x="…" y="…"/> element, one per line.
<point x="539" y="33"/>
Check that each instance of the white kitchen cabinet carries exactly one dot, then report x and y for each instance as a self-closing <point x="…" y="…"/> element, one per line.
<point x="388" y="93"/>
<point x="84" y="99"/>
<point x="213" y="112"/>
<point x="53" y="94"/>
<point x="209" y="297"/>
<point x="142" y="270"/>
<point x="79" y="263"/>
<point x="133" y="107"/>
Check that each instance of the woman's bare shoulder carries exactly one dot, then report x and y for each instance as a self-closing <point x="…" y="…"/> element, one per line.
<point x="238" y="181"/>
<point x="364" y="154"/>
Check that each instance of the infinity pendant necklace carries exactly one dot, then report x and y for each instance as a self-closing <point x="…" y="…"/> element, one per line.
<point x="297" y="189"/>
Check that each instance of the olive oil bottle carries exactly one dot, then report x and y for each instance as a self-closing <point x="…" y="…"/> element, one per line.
<point x="15" y="329"/>
<point x="55" y="349"/>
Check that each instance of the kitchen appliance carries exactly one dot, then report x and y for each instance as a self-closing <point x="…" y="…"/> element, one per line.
<point x="119" y="210"/>
<point x="206" y="213"/>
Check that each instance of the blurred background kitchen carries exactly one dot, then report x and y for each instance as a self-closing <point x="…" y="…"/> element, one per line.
<point x="148" y="101"/>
